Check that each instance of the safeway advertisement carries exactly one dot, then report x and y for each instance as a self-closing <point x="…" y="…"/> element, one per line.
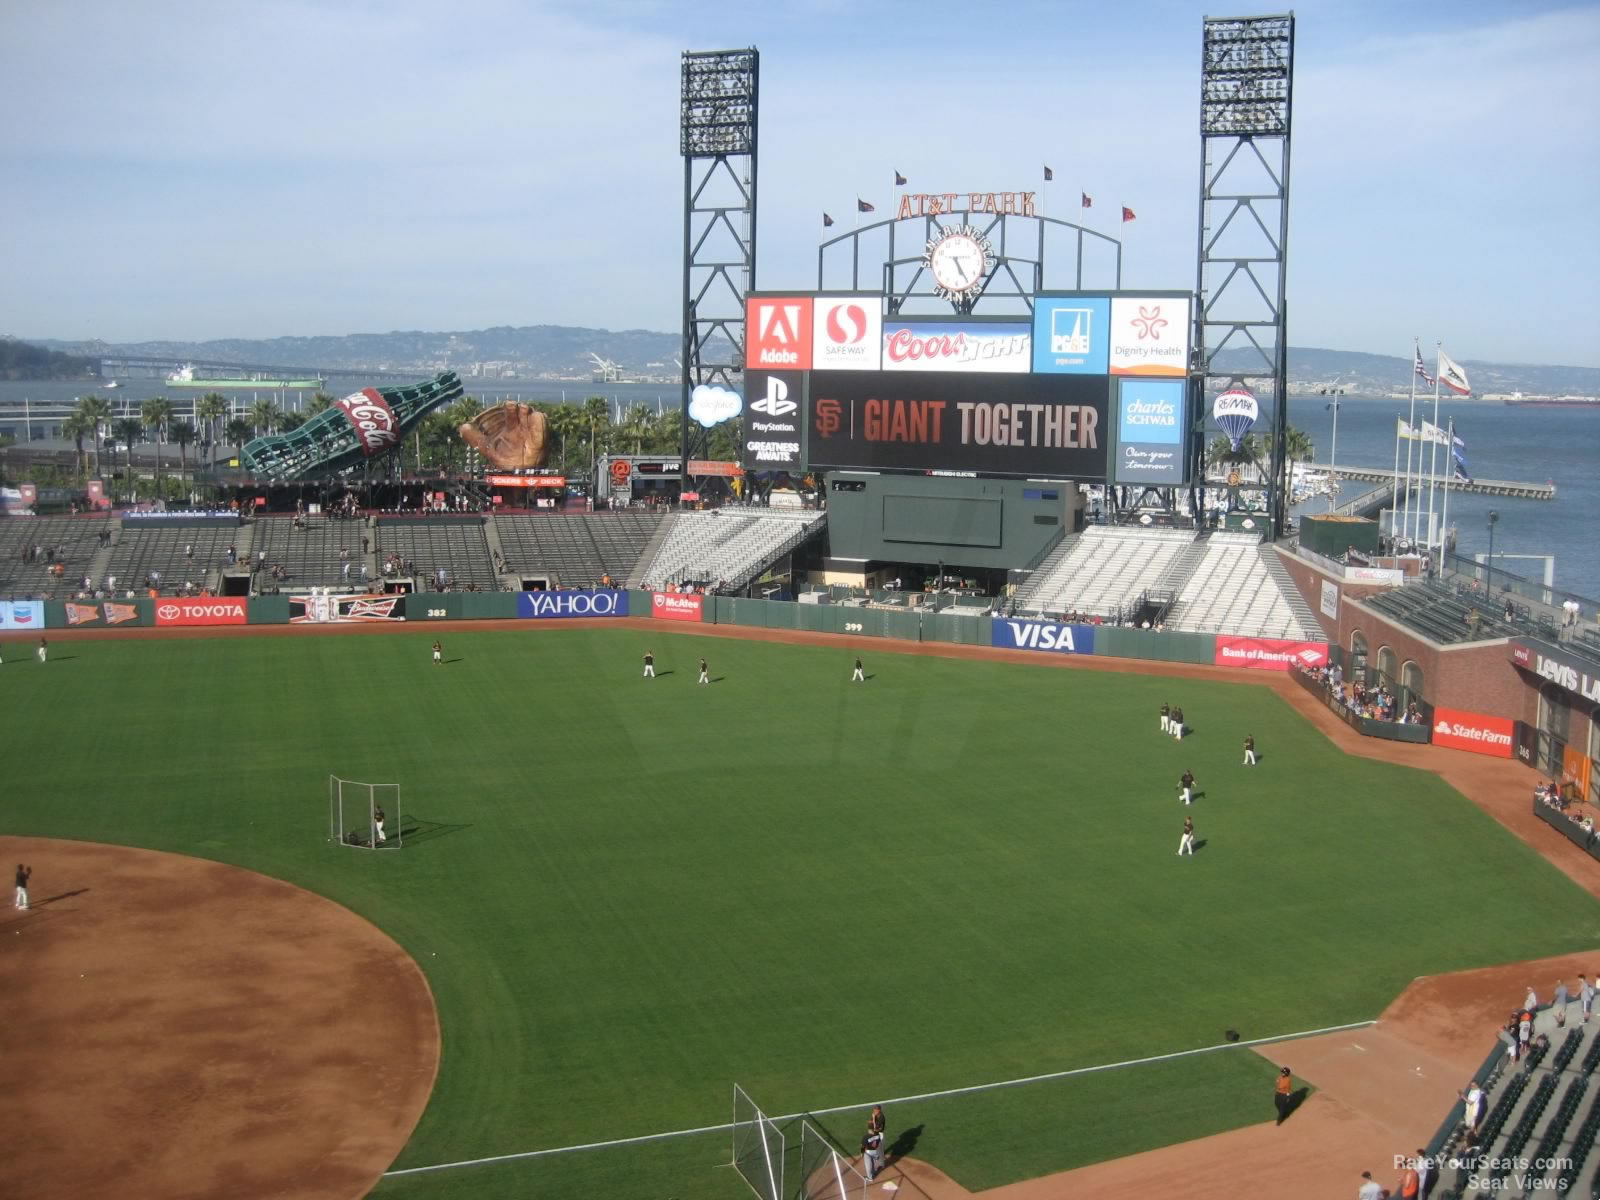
<point x="1472" y="731"/>
<point x="673" y="606"/>
<point x="1269" y="654"/>
<point x="208" y="610"/>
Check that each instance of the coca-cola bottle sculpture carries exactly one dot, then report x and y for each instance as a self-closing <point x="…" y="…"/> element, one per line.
<point x="370" y="422"/>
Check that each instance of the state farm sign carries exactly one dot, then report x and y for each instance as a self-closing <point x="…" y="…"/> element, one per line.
<point x="671" y="606"/>
<point x="213" y="610"/>
<point x="373" y="419"/>
<point x="1472" y="731"/>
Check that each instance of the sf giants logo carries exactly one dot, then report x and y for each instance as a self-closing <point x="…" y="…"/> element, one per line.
<point x="780" y="333"/>
<point x="829" y="417"/>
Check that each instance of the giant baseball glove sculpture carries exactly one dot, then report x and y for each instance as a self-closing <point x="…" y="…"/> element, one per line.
<point x="509" y="435"/>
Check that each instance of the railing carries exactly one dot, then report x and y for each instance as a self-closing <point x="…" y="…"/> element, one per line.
<point x="1498" y="579"/>
<point x="1394" y="731"/>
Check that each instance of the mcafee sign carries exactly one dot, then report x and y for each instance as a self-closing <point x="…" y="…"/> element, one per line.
<point x="210" y="610"/>
<point x="1472" y="731"/>
<point x="673" y="606"/>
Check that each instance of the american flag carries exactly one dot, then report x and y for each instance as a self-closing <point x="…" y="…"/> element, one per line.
<point x="1422" y="371"/>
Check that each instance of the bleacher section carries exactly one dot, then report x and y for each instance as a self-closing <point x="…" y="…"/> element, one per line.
<point x="77" y="537"/>
<point x="142" y="549"/>
<point x="310" y="556"/>
<point x="1543" y="1110"/>
<point x="576" y="549"/>
<point x="727" y="546"/>
<point x="1444" y="614"/>
<point x="1104" y="572"/>
<point x="456" y="544"/>
<point x="1233" y="591"/>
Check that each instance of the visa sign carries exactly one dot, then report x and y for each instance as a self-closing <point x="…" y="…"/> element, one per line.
<point x="1039" y="635"/>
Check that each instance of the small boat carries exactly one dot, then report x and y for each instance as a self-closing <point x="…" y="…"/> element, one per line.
<point x="112" y="384"/>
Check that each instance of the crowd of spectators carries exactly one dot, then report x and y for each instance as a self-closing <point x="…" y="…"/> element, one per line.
<point x="1374" y="702"/>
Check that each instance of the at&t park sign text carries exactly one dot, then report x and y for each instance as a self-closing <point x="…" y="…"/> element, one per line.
<point x="937" y="204"/>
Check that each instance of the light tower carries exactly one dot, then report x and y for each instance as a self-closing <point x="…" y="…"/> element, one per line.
<point x="1246" y="108"/>
<point x="718" y="143"/>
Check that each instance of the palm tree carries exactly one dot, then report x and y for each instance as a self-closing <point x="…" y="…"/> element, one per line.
<point x="156" y="412"/>
<point x="127" y="430"/>
<point x="183" y="433"/>
<point x="77" y="427"/>
<point x="291" y="421"/>
<point x="97" y="411"/>
<point x="236" y="432"/>
<point x="264" y="415"/>
<point x="206" y="410"/>
<point x="637" y="425"/>
<point x="565" y="422"/>
<point x="319" y="402"/>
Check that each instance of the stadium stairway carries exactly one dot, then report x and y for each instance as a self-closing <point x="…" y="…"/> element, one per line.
<point x="1172" y="580"/>
<point x="497" y="552"/>
<point x="1061" y="551"/>
<point x="636" y="577"/>
<point x="1311" y="628"/>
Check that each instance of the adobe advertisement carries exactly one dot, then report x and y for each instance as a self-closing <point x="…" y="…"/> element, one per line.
<point x="1046" y="426"/>
<point x="848" y="333"/>
<point x="1150" y="336"/>
<point x="1150" y="425"/>
<point x="775" y="421"/>
<point x="1071" y="335"/>
<point x="978" y="347"/>
<point x="777" y="333"/>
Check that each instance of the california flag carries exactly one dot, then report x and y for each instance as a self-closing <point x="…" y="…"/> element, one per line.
<point x="1452" y="376"/>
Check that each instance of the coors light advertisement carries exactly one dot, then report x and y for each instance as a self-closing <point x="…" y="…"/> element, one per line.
<point x="967" y="347"/>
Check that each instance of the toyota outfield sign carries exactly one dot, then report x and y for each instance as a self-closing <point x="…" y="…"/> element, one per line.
<point x="210" y="610"/>
<point x="1040" y="635"/>
<point x="847" y="333"/>
<point x="599" y="602"/>
<point x="774" y="423"/>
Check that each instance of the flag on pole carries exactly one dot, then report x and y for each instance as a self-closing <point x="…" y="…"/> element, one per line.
<point x="1462" y="472"/>
<point x="1421" y="373"/>
<point x="1452" y="376"/>
<point x="1088" y="200"/>
<point x="863" y="206"/>
<point x="827" y="221"/>
<point x="1127" y="214"/>
<point x="1434" y="433"/>
<point x="899" y="179"/>
<point x="1048" y="174"/>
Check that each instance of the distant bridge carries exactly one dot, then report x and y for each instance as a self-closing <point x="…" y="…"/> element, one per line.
<point x="127" y="363"/>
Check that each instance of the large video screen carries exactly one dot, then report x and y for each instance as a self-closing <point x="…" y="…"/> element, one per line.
<point x="1051" y="426"/>
<point x="1091" y="387"/>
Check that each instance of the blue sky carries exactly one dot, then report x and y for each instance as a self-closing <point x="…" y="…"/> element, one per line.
<point x="212" y="170"/>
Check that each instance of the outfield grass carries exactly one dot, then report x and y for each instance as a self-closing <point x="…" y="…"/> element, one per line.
<point x="640" y="892"/>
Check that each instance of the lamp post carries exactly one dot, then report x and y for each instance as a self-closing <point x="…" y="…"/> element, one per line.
<point x="1494" y="516"/>
<point x="1333" y="453"/>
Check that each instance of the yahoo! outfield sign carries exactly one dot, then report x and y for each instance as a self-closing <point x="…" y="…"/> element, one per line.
<point x="600" y="602"/>
<point x="1040" y="635"/>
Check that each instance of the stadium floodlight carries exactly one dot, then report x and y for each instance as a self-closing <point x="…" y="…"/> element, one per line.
<point x="1246" y="68"/>
<point x="719" y="102"/>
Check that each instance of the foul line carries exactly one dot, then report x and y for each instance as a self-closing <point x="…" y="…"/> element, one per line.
<point x="823" y="1112"/>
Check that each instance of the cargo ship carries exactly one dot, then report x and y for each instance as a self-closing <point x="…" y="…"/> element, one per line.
<point x="188" y="377"/>
<point x="1518" y="400"/>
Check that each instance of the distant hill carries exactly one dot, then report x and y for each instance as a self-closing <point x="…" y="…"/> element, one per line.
<point x="562" y="352"/>
<point x="23" y="360"/>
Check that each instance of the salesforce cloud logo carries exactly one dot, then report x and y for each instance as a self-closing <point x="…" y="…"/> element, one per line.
<point x="709" y="404"/>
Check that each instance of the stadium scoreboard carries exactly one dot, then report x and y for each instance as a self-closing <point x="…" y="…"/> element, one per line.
<point x="1094" y="386"/>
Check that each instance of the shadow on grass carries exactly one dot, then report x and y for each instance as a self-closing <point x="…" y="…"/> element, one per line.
<point x="62" y="896"/>
<point x="904" y="1143"/>
<point x="416" y="830"/>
